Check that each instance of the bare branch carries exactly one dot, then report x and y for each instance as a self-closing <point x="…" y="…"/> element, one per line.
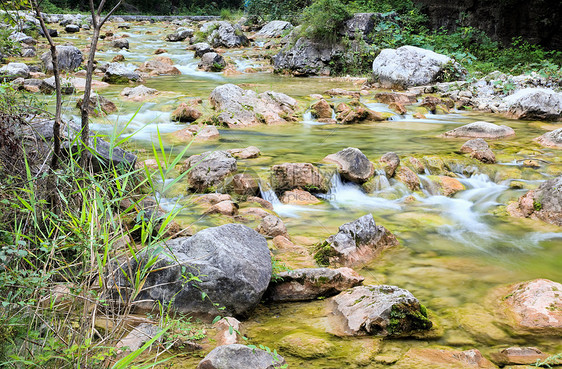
<point x="111" y="12"/>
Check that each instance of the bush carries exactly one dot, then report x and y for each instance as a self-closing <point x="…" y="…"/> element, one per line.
<point x="323" y="20"/>
<point x="260" y="11"/>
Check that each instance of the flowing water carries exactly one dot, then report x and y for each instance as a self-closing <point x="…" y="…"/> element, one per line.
<point x="453" y="250"/>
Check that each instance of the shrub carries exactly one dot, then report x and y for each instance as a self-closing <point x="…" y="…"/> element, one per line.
<point x="323" y="19"/>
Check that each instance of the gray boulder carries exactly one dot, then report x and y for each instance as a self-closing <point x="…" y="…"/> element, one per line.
<point x="68" y="59"/>
<point x="14" y="70"/>
<point x="273" y="29"/>
<point x="307" y="57"/>
<point x="238" y="356"/>
<point x="272" y="226"/>
<point x="378" y="310"/>
<point x="48" y="86"/>
<point x="72" y="28"/>
<point x="356" y="243"/>
<point x="544" y="203"/>
<point x="21" y="37"/>
<point x="181" y="34"/>
<point x="117" y="73"/>
<point x="410" y="66"/>
<point x="360" y="24"/>
<point x="107" y="157"/>
<point x="479" y="150"/>
<point x="28" y="52"/>
<point x="233" y="265"/>
<point x="202" y="48"/>
<point x="227" y="35"/>
<point x="212" y="62"/>
<point x="480" y="130"/>
<point x="120" y="43"/>
<point x="311" y="283"/>
<point x="208" y="170"/>
<point x="551" y="139"/>
<point x="352" y="164"/>
<point x="535" y="104"/>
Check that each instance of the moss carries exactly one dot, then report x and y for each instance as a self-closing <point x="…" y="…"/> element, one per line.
<point x="537" y="205"/>
<point x="406" y="318"/>
<point x="323" y="251"/>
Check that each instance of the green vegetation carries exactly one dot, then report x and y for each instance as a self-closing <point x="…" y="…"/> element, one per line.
<point x="323" y="19"/>
<point x="405" y="318"/>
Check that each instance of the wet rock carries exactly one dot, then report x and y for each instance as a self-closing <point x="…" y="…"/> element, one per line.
<point x="98" y="105"/>
<point x="518" y="356"/>
<point x="212" y="62"/>
<point x="72" y="28"/>
<point x="240" y="357"/>
<point x="159" y="66"/>
<point x="138" y="336"/>
<point x="227" y="331"/>
<point x="120" y="43"/>
<point x="408" y="177"/>
<point x="249" y="152"/>
<point x="356" y="243"/>
<point x="398" y="108"/>
<point x="479" y="150"/>
<point x="535" y="306"/>
<point x="227" y="207"/>
<point x="403" y="98"/>
<point x="232" y="262"/>
<point x="272" y="226"/>
<point x="306" y="346"/>
<point x="186" y="113"/>
<point x="237" y="107"/>
<point x="138" y="93"/>
<point x="212" y="198"/>
<point x="69" y="58"/>
<point x="160" y="51"/>
<point x="352" y="164"/>
<point x="322" y="110"/>
<point x="443" y="359"/>
<point x="181" y="34"/>
<point x="480" y="130"/>
<point x="544" y="203"/>
<point x="227" y="35"/>
<point x="196" y="133"/>
<point x="416" y="164"/>
<point x="245" y="184"/>
<point x="202" y="48"/>
<point x="410" y="66"/>
<point x="390" y="162"/>
<point x="299" y="197"/>
<point x="307" y="57"/>
<point x="357" y="113"/>
<point x="118" y="58"/>
<point x="273" y="29"/>
<point x="14" y="70"/>
<point x="289" y="176"/>
<point x="448" y="186"/>
<point x="208" y="170"/>
<point x="379" y="310"/>
<point x="117" y="73"/>
<point x="309" y="284"/>
<point x="535" y="104"/>
<point x="551" y="139"/>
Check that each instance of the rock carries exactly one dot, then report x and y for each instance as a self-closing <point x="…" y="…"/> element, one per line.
<point x="361" y="24"/>
<point x="242" y="108"/>
<point x="356" y="243"/>
<point x="202" y="48"/>
<point x="273" y="29"/>
<point x="535" y="306"/>
<point x="240" y="357"/>
<point x="138" y="336"/>
<point x="48" y="86"/>
<point x="306" y="57"/>
<point x="322" y="110"/>
<point x="245" y="184"/>
<point x="98" y="105"/>
<point x="390" y="162"/>
<point x="408" y="177"/>
<point x="22" y="38"/>
<point x="160" y="51"/>
<point x="212" y="198"/>
<point x="309" y="284"/>
<point x="341" y="92"/>
<point x="212" y="62"/>
<point x="118" y="58"/>
<point x="117" y="73"/>
<point x="352" y="164"/>
<point x="249" y="152"/>
<point x="479" y="150"/>
<point x="272" y="226"/>
<point x="224" y="207"/>
<point x="159" y="66"/>
<point x="186" y="113"/>
<point x="404" y="98"/>
<point x="14" y="70"/>
<point x="299" y="197"/>
<point x="106" y="157"/>
<point x="120" y="43"/>
<point x="232" y="263"/>
<point x="227" y="331"/>
<point x="379" y="310"/>
<point x="69" y="58"/>
<point x="227" y="35"/>
<point x="208" y="170"/>
<point x="410" y="66"/>
<point x="535" y="104"/>
<point x="480" y="130"/>
<point x="519" y="356"/>
<point x="346" y="114"/>
<point x="138" y="93"/>
<point x="181" y="34"/>
<point x="449" y="186"/>
<point x="551" y="139"/>
<point x="306" y="346"/>
<point x="443" y="359"/>
<point x="398" y="108"/>
<point x="72" y="28"/>
<point x="544" y="203"/>
<point x="289" y="176"/>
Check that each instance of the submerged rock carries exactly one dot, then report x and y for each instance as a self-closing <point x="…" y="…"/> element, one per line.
<point x="380" y="310"/>
<point x="299" y="197"/>
<point x="69" y="58"/>
<point x="249" y="152"/>
<point x="480" y="130"/>
<point x="535" y="104"/>
<point x="352" y="164"/>
<point x="241" y="357"/>
<point x="306" y="346"/>
<point x="519" y="356"/>
<point x="479" y="150"/>
<point x="443" y="359"/>
<point x="309" y="284"/>
<point x="544" y="203"/>
<point x="551" y="139"/>
<point x="356" y="243"/>
<point x="208" y="170"/>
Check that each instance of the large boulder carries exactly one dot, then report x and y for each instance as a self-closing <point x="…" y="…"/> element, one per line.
<point x="307" y="57"/>
<point x="227" y="35"/>
<point x="21" y="37"/>
<point x="237" y="107"/>
<point x="311" y="283"/>
<point x="232" y="264"/>
<point x="379" y="310"/>
<point x="208" y="170"/>
<point x="238" y="356"/>
<point x="551" y="139"/>
<point x="544" y="203"/>
<point x="273" y="29"/>
<point x="212" y="62"/>
<point x="359" y="24"/>
<point x="72" y="28"/>
<point x="117" y="73"/>
<point x="480" y="130"/>
<point x="68" y="59"/>
<point x="181" y="34"/>
<point x="13" y="71"/>
<point x="289" y="176"/>
<point x="159" y="66"/>
<point x="356" y="243"/>
<point x="535" y="104"/>
<point x="352" y="164"/>
<point x="410" y="66"/>
<point x="120" y="43"/>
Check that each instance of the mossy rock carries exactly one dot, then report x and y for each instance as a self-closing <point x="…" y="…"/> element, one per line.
<point x="305" y="346"/>
<point x="480" y="324"/>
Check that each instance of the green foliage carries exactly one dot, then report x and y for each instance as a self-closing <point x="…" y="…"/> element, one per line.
<point x="7" y="47"/>
<point x="260" y="11"/>
<point x="549" y="362"/>
<point x="323" y="19"/>
<point x="323" y="251"/>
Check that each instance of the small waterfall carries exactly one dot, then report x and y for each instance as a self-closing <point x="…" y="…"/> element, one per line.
<point x="381" y="181"/>
<point x="307" y="118"/>
<point x="284" y="210"/>
<point x="269" y="195"/>
<point x="428" y="187"/>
